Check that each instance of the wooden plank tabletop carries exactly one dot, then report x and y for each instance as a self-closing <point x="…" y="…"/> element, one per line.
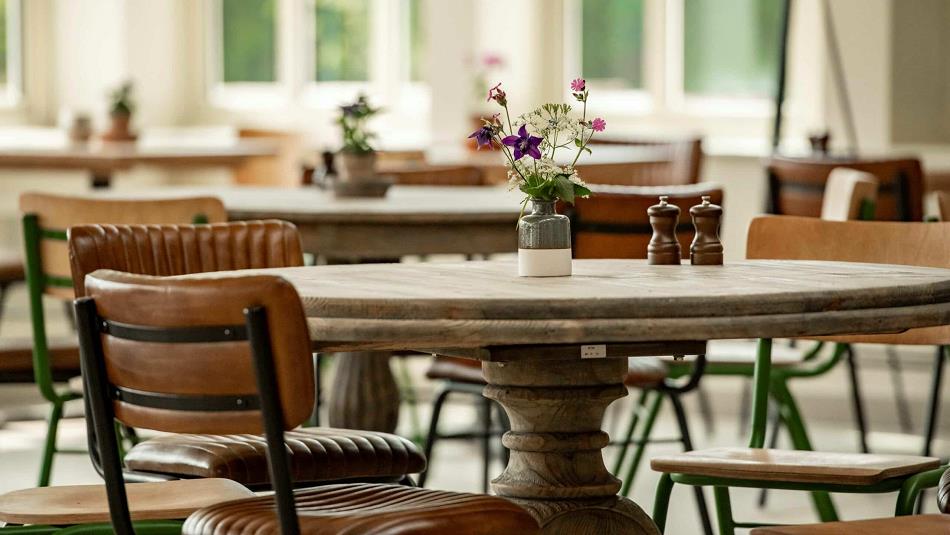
<point x="478" y="304"/>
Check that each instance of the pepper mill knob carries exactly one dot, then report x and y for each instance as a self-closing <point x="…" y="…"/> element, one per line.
<point x="664" y="248"/>
<point x="706" y="249"/>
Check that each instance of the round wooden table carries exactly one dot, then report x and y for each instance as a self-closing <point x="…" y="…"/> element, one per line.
<point x="547" y="344"/>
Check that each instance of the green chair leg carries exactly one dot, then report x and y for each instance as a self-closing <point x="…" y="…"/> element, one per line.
<point x="727" y="525"/>
<point x="913" y="486"/>
<point x="652" y="410"/>
<point x="662" y="503"/>
<point x="628" y="436"/>
<point x="49" y="449"/>
<point x="142" y="527"/>
<point x="792" y="419"/>
<point x="29" y="530"/>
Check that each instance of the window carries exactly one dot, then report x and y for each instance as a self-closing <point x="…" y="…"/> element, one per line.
<point x="248" y="40"/>
<point x="342" y="40"/>
<point x="10" y="50"/>
<point x="612" y="43"/>
<point x="417" y="41"/>
<point x="731" y="48"/>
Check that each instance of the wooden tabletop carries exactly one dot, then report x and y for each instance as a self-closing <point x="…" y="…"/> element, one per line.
<point x="479" y="304"/>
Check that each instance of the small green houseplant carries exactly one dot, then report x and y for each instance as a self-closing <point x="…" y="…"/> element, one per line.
<point x="357" y="156"/>
<point x="121" y="107"/>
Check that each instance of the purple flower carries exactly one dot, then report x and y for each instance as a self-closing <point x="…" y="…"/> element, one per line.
<point x="483" y="137"/>
<point x="524" y="144"/>
<point x="497" y="94"/>
<point x="578" y="85"/>
<point x="598" y="125"/>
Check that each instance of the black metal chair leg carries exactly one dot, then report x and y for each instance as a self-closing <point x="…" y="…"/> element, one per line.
<point x="857" y="400"/>
<point x="486" y="443"/>
<point x="433" y="434"/>
<point x="943" y="352"/>
<point x="680" y="414"/>
<point x="705" y="410"/>
<point x="745" y="404"/>
<point x="904" y="417"/>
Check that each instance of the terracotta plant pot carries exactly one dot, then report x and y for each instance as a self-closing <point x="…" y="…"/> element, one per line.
<point x="354" y="167"/>
<point x="119" y="129"/>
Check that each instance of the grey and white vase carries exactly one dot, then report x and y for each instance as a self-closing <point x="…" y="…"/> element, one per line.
<point x="544" y="242"/>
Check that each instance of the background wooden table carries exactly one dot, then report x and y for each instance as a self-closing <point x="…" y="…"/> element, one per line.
<point x="533" y="334"/>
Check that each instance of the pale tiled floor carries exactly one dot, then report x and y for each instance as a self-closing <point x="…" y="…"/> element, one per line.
<point x="824" y="402"/>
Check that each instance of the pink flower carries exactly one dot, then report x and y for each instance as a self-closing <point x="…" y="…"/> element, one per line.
<point x="491" y="60"/>
<point x="578" y="85"/>
<point x="497" y="94"/>
<point x="598" y="125"/>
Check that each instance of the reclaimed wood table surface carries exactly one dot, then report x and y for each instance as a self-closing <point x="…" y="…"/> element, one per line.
<point x="103" y="159"/>
<point x="552" y="347"/>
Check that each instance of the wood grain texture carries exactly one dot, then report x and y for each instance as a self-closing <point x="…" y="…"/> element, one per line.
<point x="364" y="394"/>
<point x="556" y="469"/>
<point x="83" y="504"/>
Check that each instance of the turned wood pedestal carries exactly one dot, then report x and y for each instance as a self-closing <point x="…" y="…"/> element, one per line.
<point x="364" y="394"/>
<point x="557" y="469"/>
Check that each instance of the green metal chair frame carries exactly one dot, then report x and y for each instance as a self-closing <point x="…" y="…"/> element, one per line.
<point x="766" y="383"/>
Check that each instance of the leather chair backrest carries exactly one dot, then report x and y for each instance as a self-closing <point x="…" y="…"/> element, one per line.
<point x="943" y="205"/>
<point x="55" y="214"/>
<point x="847" y="193"/>
<point x="436" y="175"/>
<point x="613" y="223"/>
<point x="880" y="242"/>
<point x="796" y="185"/>
<point x="149" y="381"/>
<point x="684" y="165"/>
<point x="165" y="250"/>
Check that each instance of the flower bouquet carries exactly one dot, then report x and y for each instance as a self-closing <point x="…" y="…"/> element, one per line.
<point x="530" y="145"/>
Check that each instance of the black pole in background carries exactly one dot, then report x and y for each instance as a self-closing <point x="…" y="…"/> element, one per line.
<point x="837" y="67"/>
<point x="782" y="66"/>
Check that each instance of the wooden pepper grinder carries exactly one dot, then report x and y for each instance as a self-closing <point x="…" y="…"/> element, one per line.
<point x="706" y="249"/>
<point x="664" y="248"/>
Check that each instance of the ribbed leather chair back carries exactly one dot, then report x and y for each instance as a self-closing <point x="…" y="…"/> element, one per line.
<point x="165" y="250"/>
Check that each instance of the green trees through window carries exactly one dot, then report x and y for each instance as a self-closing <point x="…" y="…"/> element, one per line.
<point x="248" y="40"/>
<point x="612" y="42"/>
<point x="342" y="40"/>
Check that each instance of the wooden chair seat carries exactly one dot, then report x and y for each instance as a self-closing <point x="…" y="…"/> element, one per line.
<point x="369" y="510"/>
<point x="16" y="359"/>
<point x="317" y="455"/>
<point x="645" y="372"/>
<point x="86" y="504"/>
<point x="793" y="466"/>
<point x="11" y="266"/>
<point x="456" y="369"/>
<point x="903" y="525"/>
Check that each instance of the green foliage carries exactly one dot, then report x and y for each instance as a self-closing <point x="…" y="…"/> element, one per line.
<point x="342" y="40"/>
<point x="248" y="40"/>
<point x="3" y="41"/>
<point x="121" y="101"/>
<point x="612" y="42"/>
<point x="552" y="189"/>
<point x="352" y="121"/>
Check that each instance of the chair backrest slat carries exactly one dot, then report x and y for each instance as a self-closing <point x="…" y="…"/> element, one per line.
<point x="847" y="194"/>
<point x="880" y="242"/>
<point x="177" y="356"/>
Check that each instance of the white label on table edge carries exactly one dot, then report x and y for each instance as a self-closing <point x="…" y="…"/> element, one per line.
<point x="594" y="352"/>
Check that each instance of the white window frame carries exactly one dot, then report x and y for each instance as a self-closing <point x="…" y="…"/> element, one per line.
<point x="11" y="94"/>
<point x="388" y="84"/>
<point x="664" y="94"/>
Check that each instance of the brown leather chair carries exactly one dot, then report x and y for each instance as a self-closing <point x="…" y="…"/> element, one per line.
<point x="943" y="205"/>
<point x="685" y="159"/>
<point x="320" y="454"/>
<point x="904" y="525"/>
<point x="438" y="175"/>
<point x="796" y="185"/>
<point x="281" y="170"/>
<point x="138" y="336"/>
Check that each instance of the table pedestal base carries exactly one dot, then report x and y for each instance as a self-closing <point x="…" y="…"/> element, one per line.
<point x="557" y="470"/>
<point x="364" y="394"/>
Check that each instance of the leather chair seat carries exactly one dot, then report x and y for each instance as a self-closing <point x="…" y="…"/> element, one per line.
<point x="16" y="359"/>
<point x="943" y="493"/>
<point x="456" y="369"/>
<point x="11" y="266"/>
<point x="369" y="510"/>
<point x="645" y="372"/>
<point x="793" y="466"/>
<point x="903" y="525"/>
<point x="317" y="455"/>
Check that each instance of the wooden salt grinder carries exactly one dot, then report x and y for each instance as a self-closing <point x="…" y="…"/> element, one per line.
<point x="706" y="249"/>
<point x="663" y="248"/>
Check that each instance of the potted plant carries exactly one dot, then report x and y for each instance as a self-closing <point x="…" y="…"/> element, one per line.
<point x="121" y="107"/>
<point x="357" y="158"/>
<point x="530" y="146"/>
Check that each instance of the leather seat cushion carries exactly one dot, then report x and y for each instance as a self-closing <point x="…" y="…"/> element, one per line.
<point x="943" y="493"/>
<point x="317" y="455"/>
<point x="367" y="509"/>
<point x="904" y="525"/>
<point x="645" y="372"/>
<point x="456" y="369"/>
<point x="11" y="266"/>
